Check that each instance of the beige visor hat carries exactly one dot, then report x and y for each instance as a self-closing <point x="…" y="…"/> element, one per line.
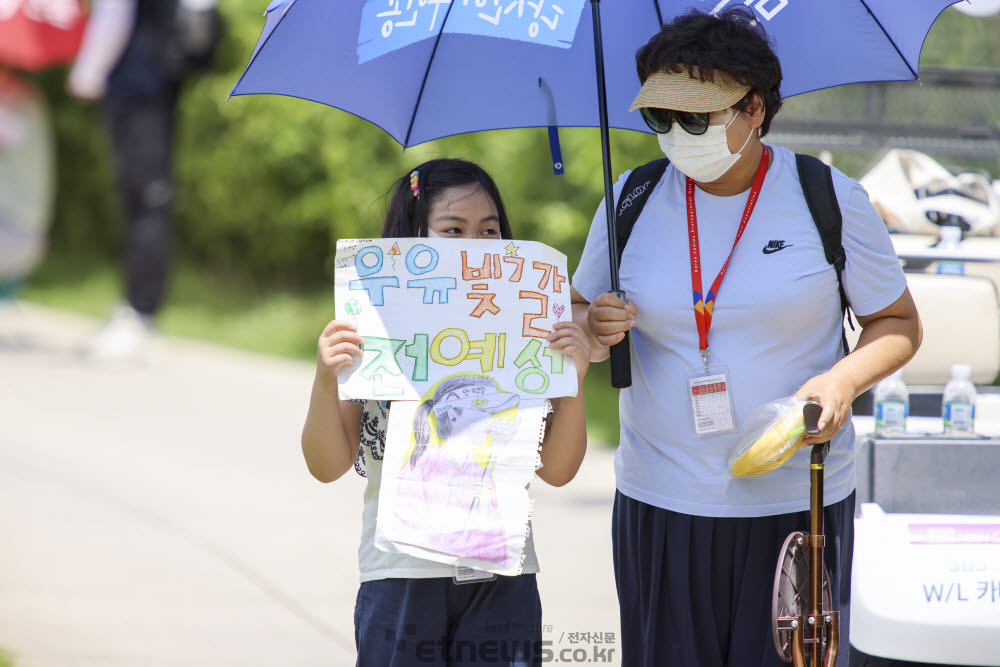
<point x="682" y="91"/>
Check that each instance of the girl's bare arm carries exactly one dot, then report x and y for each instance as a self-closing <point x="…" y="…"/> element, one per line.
<point x="565" y="440"/>
<point x="332" y="432"/>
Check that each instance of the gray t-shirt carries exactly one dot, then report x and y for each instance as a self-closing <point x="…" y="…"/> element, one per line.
<point x="776" y="324"/>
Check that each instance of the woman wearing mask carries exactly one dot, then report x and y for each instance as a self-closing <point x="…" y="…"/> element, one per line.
<point x="726" y="276"/>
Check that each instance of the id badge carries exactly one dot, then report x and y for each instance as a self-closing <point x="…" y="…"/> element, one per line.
<point x="712" y="402"/>
<point x="470" y="575"/>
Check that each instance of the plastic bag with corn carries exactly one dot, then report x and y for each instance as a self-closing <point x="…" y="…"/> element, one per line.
<point x="774" y="435"/>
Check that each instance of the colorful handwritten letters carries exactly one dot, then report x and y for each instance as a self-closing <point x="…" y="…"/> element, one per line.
<point x="428" y="308"/>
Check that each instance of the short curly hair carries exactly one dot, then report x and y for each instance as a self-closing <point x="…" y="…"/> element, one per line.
<point x="732" y="42"/>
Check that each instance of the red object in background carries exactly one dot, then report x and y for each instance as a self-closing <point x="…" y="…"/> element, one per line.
<point x="35" y="34"/>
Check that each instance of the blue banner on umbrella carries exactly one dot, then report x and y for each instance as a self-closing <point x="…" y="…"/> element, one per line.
<point x="388" y="25"/>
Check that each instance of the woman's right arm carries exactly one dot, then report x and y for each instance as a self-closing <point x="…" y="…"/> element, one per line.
<point x="332" y="432"/>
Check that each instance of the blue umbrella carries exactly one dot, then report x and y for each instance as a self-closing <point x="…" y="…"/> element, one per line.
<point x="425" y="69"/>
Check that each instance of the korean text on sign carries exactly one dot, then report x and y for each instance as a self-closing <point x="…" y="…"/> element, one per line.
<point x="428" y="308"/>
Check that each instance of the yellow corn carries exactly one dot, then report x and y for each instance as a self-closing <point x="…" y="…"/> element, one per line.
<point x="766" y="455"/>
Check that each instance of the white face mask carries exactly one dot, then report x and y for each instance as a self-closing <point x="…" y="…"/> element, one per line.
<point x="704" y="157"/>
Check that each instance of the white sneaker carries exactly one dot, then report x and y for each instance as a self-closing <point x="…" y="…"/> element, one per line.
<point x="125" y="335"/>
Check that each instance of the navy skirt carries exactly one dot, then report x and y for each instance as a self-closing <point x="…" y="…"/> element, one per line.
<point x="696" y="591"/>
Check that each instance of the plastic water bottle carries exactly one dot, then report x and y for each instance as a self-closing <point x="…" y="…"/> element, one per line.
<point x="949" y="240"/>
<point x="958" y="404"/>
<point x="892" y="404"/>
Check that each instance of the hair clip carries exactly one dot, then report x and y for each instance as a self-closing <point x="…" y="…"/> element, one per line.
<point x="415" y="183"/>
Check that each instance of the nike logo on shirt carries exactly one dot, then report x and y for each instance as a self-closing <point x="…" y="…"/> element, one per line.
<point x="775" y="246"/>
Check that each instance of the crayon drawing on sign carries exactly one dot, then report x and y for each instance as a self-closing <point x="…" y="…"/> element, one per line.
<point x="428" y="308"/>
<point x="455" y="475"/>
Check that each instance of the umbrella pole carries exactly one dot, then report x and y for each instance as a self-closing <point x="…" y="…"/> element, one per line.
<point x="621" y="370"/>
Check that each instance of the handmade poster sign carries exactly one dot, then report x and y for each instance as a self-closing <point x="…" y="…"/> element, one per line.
<point x="428" y="308"/>
<point x="455" y="475"/>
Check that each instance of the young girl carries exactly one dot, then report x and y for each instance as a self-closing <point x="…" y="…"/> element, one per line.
<point x="410" y="611"/>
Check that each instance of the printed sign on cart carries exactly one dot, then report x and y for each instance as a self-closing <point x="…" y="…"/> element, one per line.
<point x="428" y="308"/>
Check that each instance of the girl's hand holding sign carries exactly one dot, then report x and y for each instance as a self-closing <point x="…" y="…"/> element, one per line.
<point x="339" y="348"/>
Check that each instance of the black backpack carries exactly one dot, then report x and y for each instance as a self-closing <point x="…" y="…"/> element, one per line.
<point x="817" y="186"/>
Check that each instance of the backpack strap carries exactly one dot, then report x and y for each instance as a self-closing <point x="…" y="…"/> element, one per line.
<point x="633" y="197"/>
<point x="817" y="186"/>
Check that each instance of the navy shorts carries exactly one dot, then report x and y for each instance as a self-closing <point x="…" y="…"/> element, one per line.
<point x="696" y="591"/>
<point x="422" y="622"/>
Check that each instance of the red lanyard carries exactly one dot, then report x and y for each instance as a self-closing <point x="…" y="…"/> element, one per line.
<point x="705" y="303"/>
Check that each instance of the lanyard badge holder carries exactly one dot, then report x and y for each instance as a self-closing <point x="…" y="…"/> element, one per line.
<point x="711" y="401"/>
<point x="711" y="392"/>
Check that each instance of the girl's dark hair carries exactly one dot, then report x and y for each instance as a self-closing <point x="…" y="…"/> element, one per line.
<point x="732" y="42"/>
<point x="407" y="214"/>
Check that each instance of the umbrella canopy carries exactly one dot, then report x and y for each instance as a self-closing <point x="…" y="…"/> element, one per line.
<point x="35" y="34"/>
<point x="425" y="69"/>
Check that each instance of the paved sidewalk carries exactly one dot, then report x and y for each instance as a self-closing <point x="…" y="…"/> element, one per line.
<point x="161" y="514"/>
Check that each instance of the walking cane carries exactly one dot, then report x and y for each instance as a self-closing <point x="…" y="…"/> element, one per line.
<point x="806" y="627"/>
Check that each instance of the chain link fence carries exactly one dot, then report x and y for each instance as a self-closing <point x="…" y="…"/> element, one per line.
<point x="953" y="115"/>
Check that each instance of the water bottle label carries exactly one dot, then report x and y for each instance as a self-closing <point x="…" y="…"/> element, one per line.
<point x="958" y="416"/>
<point x="951" y="268"/>
<point x="890" y="415"/>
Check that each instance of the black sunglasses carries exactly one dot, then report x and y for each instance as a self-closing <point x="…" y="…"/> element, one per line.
<point x="660" y="120"/>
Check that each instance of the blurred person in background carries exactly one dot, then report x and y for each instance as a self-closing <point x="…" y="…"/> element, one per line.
<point x="135" y="55"/>
<point x="26" y="163"/>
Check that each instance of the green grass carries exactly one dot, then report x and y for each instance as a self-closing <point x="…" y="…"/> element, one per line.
<point x="284" y="322"/>
<point x="201" y="306"/>
<point x="5" y="659"/>
<point x="602" y="405"/>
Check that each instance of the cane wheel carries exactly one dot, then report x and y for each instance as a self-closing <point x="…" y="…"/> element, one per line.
<point x="791" y="590"/>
